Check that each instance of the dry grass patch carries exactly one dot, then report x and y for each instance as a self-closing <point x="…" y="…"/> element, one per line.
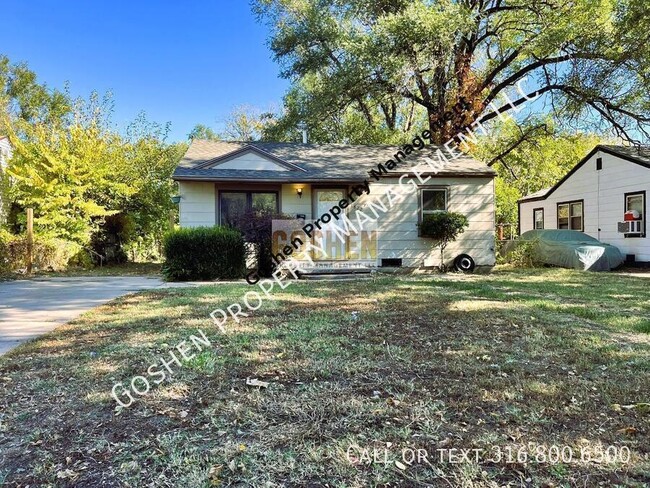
<point x="359" y="373"/>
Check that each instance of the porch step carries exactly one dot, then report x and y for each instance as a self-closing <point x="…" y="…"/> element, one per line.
<point x="335" y="274"/>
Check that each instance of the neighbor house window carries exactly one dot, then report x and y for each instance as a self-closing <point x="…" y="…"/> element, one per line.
<point x="433" y="200"/>
<point x="636" y="202"/>
<point x="570" y="215"/>
<point x="234" y="204"/>
<point x="538" y="218"/>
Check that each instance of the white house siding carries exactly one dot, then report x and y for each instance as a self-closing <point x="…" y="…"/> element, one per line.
<point x="199" y="206"/>
<point x="5" y="154"/>
<point x="198" y="203"/>
<point x="603" y="194"/>
<point x="250" y="161"/>
<point x="292" y="204"/>
<point x="398" y="232"/>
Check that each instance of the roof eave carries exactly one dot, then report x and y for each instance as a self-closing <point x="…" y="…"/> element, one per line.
<point x="263" y="180"/>
<point x="581" y="163"/>
<point x="230" y="179"/>
<point x="532" y="199"/>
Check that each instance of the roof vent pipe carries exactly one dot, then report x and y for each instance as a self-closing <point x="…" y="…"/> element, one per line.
<point x="303" y="128"/>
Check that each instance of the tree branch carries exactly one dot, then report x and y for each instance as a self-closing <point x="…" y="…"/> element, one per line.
<point x="523" y="138"/>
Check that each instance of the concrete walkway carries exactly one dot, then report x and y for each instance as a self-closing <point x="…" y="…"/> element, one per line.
<point x="29" y="308"/>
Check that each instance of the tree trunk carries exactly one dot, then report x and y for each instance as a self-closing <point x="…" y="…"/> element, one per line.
<point x="444" y="125"/>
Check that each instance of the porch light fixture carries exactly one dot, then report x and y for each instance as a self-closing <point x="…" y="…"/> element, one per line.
<point x="176" y="199"/>
<point x="299" y="192"/>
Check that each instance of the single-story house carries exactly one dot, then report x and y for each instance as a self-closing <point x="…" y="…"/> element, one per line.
<point x="5" y="155"/>
<point x="604" y="196"/>
<point x="219" y="180"/>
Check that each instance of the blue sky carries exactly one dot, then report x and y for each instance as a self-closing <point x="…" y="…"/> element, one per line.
<point x="180" y="62"/>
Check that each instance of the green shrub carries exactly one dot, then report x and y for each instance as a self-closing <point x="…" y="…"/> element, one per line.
<point x="257" y="229"/>
<point x="5" y="257"/>
<point x="204" y="253"/>
<point x="523" y="255"/>
<point x="49" y="254"/>
<point x="443" y="228"/>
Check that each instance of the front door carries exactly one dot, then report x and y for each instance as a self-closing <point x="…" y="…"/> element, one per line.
<point x="324" y="200"/>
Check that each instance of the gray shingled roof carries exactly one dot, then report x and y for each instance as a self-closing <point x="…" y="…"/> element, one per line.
<point x="640" y="153"/>
<point x="320" y="162"/>
<point x="537" y="194"/>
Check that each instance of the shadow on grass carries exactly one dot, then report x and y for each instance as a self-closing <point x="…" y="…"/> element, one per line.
<point x="423" y="363"/>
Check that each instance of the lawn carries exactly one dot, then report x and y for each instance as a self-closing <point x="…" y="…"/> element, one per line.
<point x="126" y="269"/>
<point x="540" y="376"/>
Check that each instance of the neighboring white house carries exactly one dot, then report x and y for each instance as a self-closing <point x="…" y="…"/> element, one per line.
<point x="219" y="180"/>
<point x="5" y="154"/>
<point x="595" y="196"/>
<point x="5" y="151"/>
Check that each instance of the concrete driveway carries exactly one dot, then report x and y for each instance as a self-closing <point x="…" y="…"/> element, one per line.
<point x="29" y="308"/>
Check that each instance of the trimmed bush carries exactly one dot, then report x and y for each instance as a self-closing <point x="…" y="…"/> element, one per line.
<point x="443" y="228"/>
<point x="204" y="253"/>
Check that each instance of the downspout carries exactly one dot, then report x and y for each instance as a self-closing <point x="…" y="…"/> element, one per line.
<point x="597" y="201"/>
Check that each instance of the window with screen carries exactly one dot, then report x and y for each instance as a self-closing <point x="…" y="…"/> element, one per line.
<point x="235" y="204"/>
<point x="570" y="216"/>
<point x="433" y="200"/>
<point x="538" y="218"/>
<point x="635" y="202"/>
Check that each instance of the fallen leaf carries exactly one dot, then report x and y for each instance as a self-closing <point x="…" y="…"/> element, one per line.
<point x="627" y="431"/>
<point x="214" y="473"/>
<point x="641" y="407"/>
<point x="256" y="382"/>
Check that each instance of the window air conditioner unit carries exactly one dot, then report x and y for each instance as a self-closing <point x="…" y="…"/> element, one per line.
<point x="631" y="227"/>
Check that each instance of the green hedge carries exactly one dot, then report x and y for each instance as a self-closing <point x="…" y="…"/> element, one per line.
<point x="5" y="256"/>
<point x="204" y="253"/>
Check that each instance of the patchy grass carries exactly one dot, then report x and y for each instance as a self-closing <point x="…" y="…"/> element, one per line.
<point x="512" y="363"/>
<point x="126" y="269"/>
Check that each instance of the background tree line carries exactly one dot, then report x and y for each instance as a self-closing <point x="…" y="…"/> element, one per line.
<point x="361" y="71"/>
<point x="90" y="186"/>
<point x="373" y="72"/>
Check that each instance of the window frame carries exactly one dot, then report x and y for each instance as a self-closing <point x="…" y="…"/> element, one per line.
<point x="641" y="193"/>
<point x="249" y="199"/>
<point x="421" y="210"/>
<point x="535" y="210"/>
<point x="582" y="214"/>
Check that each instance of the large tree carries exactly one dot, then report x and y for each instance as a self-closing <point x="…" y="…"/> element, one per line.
<point x="23" y="97"/>
<point x="530" y="156"/>
<point x="387" y="58"/>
